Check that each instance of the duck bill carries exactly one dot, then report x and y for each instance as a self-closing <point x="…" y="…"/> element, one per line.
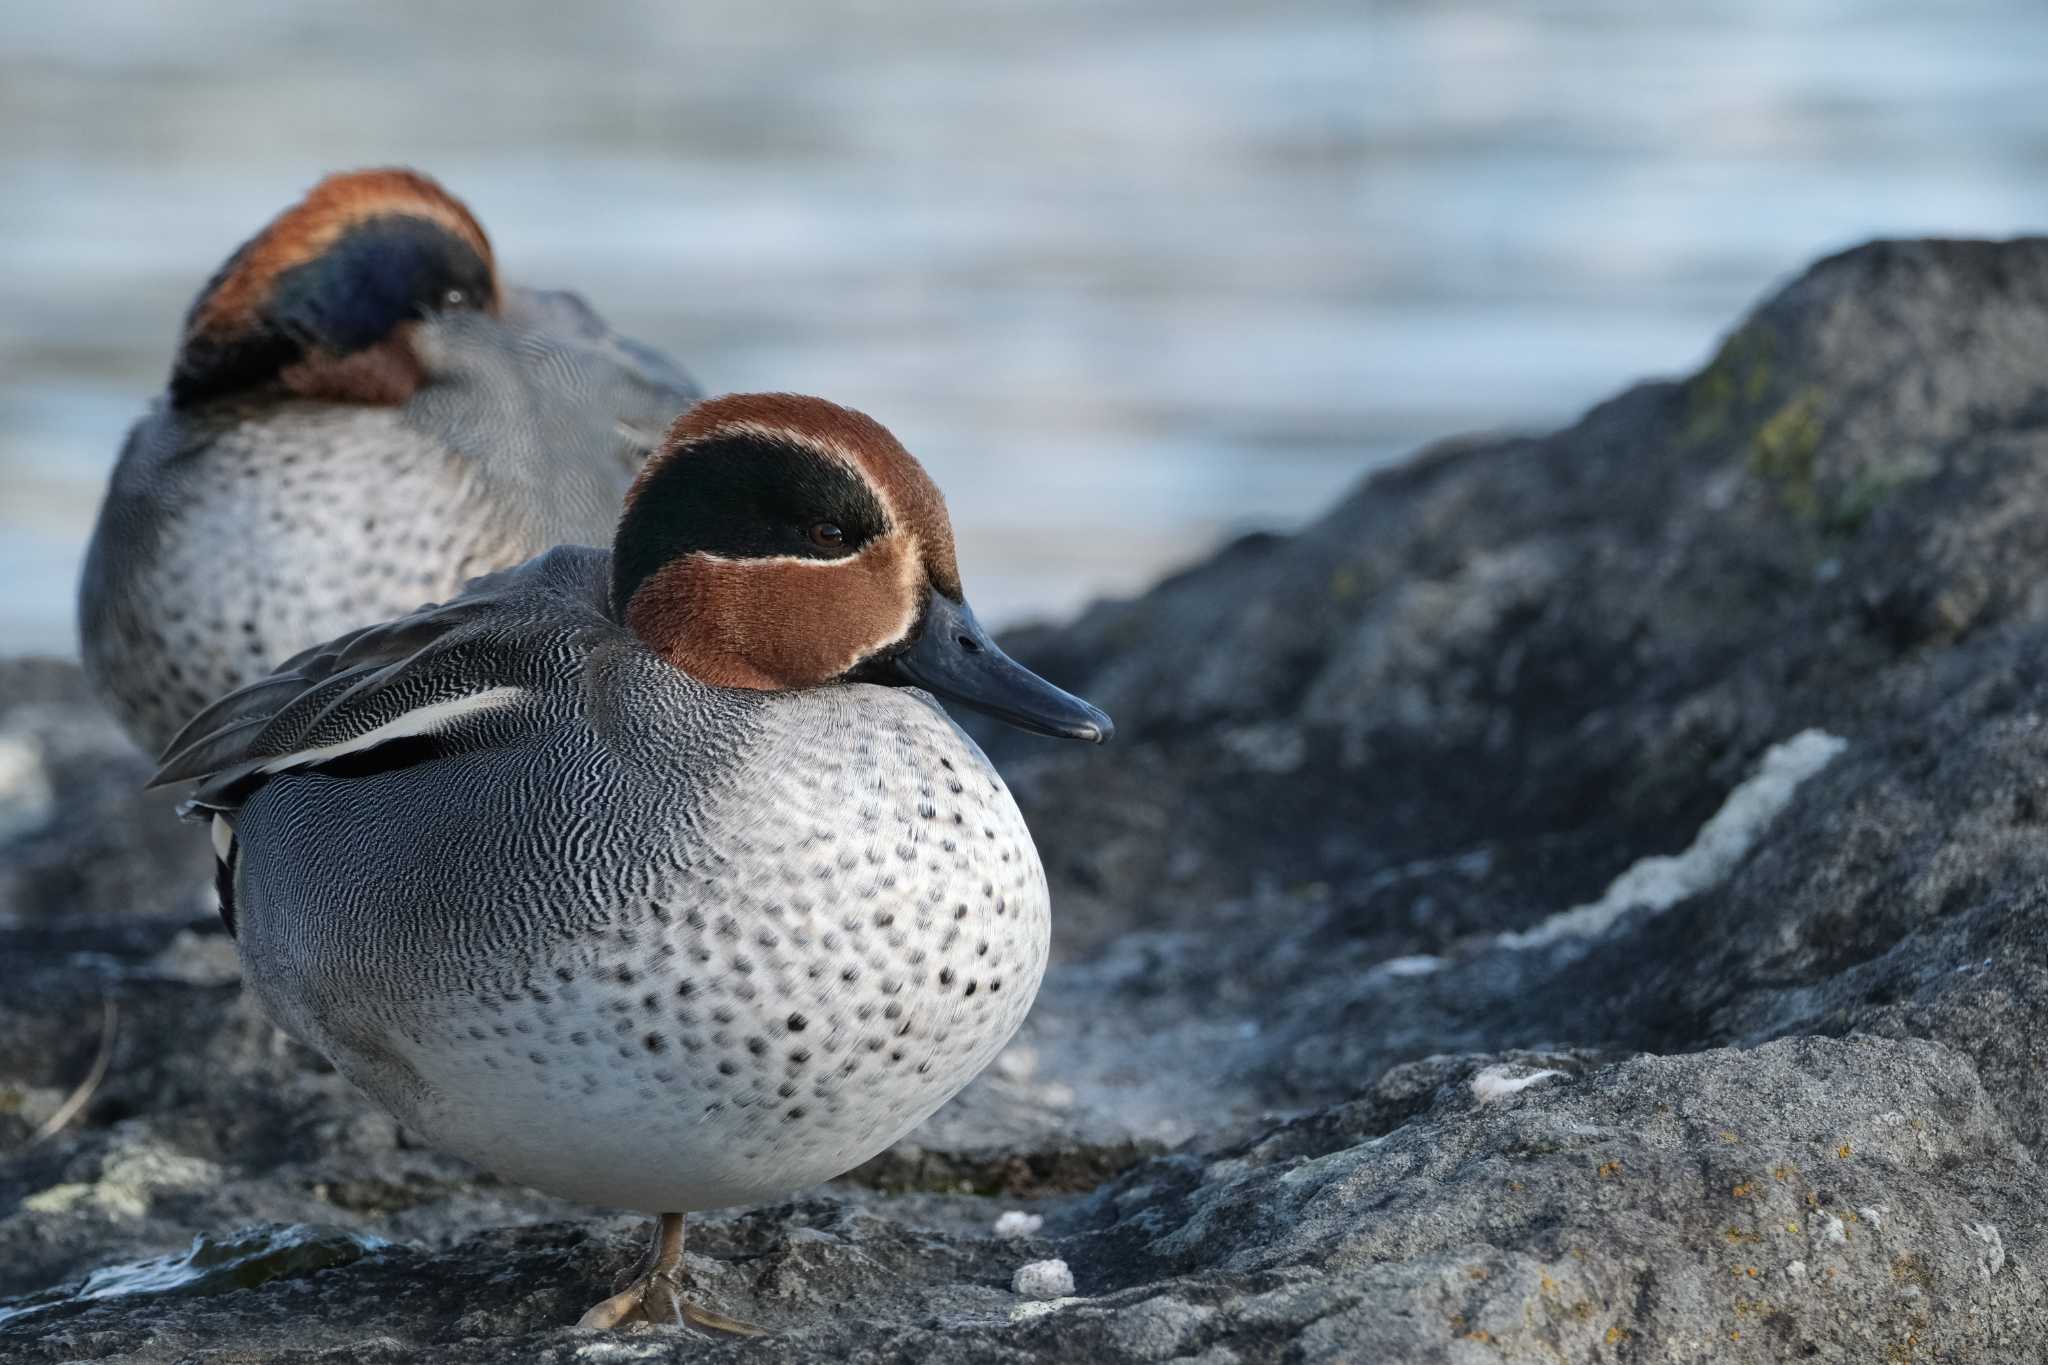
<point x="954" y="658"/>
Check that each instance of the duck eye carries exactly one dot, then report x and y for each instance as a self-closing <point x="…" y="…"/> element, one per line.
<point x="455" y="298"/>
<point x="827" y="535"/>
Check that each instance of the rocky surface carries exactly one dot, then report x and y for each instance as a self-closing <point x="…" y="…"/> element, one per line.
<point x="1585" y="898"/>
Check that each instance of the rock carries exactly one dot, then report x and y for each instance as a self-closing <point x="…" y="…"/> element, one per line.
<point x="1017" y="1223"/>
<point x="78" y="835"/>
<point x="1043" y="1280"/>
<point x="1583" y="898"/>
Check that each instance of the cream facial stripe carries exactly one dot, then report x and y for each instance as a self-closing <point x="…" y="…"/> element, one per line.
<point x="817" y="443"/>
<point x="830" y="447"/>
<point x="833" y="449"/>
<point x="909" y="568"/>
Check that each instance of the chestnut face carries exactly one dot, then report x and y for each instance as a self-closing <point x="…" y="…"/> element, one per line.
<point x="324" y="299"/>
<point x="777" y="542"/>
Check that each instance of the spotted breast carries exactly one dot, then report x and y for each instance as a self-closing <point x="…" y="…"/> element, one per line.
<point x="648" y="876"/>
<point x="359" y="419"/>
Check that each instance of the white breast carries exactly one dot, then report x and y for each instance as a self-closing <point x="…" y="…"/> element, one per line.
<point x="772" y="995"/>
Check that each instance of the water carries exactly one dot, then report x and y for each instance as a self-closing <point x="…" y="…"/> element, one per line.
<point x="244" y="1259"/>
<point x="1129" y="275"/>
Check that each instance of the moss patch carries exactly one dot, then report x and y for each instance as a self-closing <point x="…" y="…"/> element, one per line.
<point x="1736" y="380"/>
<point x="1782" y="453"/>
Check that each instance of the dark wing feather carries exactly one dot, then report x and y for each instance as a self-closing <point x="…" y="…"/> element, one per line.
<point x="494" y="648"/>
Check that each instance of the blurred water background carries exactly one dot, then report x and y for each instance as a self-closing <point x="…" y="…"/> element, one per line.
<point x="1129" y="275"/>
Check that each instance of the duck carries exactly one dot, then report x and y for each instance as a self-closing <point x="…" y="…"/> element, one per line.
<point x="360" y="417"/>
<point x="655" y="877"/>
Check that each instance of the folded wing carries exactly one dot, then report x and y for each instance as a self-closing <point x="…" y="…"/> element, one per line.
<point x="421" y="677"/>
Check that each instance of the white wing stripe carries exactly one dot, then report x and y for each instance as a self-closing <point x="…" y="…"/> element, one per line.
<point x="426" y="720"/>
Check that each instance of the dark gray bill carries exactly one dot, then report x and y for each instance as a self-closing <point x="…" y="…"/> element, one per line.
<point x="954" y="658"/>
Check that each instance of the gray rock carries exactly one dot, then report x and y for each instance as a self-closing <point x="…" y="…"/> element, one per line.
<point x="78" y="836"/>
<point x="1584" y="898"/>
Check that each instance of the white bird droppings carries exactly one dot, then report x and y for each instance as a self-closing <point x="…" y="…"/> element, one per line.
<point x="1017" y="1223"/>
<point x="612" y="1351"/>
<point x="1657" y="884"/>
<point x="1043" y="1280"/>
<point x="1499" y="1081"/>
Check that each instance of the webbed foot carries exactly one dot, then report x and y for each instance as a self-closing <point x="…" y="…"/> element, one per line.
<point x="658" y="1294"/>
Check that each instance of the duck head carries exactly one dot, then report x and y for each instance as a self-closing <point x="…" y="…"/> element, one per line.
<point x="328" y="300"/>
<point x="777" y="542"/>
